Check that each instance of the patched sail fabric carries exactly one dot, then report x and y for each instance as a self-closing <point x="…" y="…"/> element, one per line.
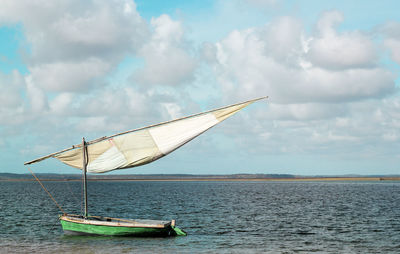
<point x="142" y="146"/>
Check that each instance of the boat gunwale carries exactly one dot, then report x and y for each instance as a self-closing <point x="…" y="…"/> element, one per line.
<point x="116" y="223"/>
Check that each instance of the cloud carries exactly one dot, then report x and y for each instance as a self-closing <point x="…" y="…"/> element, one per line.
<point x="263" y="3"/>
<point x="74" y="46"/>
<point x="10" y="87"/>
<point x="76" y="29"/>
<point x="305" y="111"/>
<point x="340" y="131"/>
<point x="332" y="50"/>
<point x="37" y="97"/>
<point x="246" y="65"/>
<point x="117" y="109"/>
<point x="282" y="39"/>
<point x="391" y="30"/>
<point x="61" y="104"/>
<point x="167" y="56"/>
<point x="70" y="76"/>
<point x="11" y="98"/>
<point x="328" y="92"/>
<point x="73" y="43"/>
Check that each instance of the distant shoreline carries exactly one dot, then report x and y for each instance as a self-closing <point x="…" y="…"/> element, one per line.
<point x="296" y="179"/>
<point x="13" y="177"/>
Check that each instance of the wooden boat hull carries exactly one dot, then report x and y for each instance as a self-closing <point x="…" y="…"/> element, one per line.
<point x="96" y="225"/>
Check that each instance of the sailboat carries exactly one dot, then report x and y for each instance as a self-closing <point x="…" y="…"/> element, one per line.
<point x="131" y="149"/>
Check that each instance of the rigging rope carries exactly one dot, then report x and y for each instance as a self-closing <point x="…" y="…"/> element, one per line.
<point x="51" y="196"/>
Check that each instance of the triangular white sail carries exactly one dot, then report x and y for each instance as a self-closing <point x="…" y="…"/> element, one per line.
<point x="145" y="145"/>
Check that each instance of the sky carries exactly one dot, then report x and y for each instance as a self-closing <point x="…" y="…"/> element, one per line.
<point x="71" y="69"/>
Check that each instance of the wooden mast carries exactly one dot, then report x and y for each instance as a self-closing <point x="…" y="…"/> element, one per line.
<point x="84" y="159"/>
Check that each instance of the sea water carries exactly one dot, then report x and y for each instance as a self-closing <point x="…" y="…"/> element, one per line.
<point x="219" y="217"/>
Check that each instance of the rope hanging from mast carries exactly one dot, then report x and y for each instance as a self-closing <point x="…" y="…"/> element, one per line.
<point x="51" y="196"/>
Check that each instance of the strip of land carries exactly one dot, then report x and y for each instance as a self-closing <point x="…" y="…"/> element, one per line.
<point x="188" y="177"/>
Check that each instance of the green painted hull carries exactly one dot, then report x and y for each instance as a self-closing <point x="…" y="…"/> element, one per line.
<point x="79" y="228"/>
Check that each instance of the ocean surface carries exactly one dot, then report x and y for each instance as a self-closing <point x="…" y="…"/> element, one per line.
<point x="219" y="217"/>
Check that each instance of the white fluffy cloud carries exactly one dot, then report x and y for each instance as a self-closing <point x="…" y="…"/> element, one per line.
<point x="392" y="39"/>
<point x="73" y="30"/>
<point x="167" y="57"/>
<point x="77" y="76"/>
<point x="11" y="98"/>
<point x="263" y="3"/>
<point x="37" y="98"/>
<point x="10" y="87"/>
<point x="73" y="43"/>
<point x="332" y="50"/>
<point x="282" y="40"/>
<point x="247" y="65"/>
<point x="327" y="89"/>
<point x="73" y="47"/>
<point x="359" y="130"/>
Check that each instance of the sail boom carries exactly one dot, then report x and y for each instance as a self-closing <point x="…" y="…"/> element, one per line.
<point x="56" y="154"/>
<point x="51" y="155"/>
